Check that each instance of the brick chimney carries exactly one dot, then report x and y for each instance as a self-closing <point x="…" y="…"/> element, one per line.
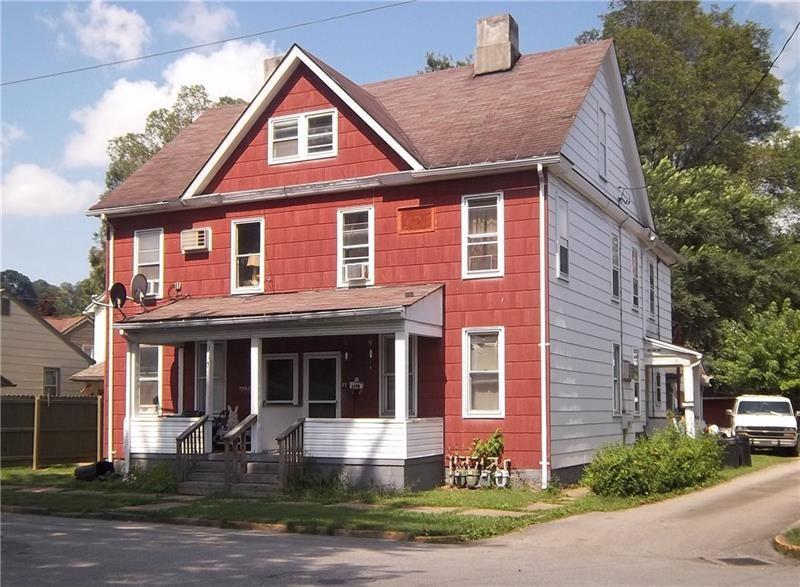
<point x="270" y="64"/>
<point x="498" y="44"/>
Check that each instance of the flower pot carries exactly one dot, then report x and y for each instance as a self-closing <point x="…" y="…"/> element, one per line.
<point x="473" y="477"/>
<point x="501" y="478"/>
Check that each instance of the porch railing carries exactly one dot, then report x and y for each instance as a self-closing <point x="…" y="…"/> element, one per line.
<point x="190" y="446"/>
<point x="235" y="441"/>
<point x="290" y="451"/>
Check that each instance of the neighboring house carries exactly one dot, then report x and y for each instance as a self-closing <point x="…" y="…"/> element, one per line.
<point x="79" y="330"/>
<point x="35" y="357"/>
<point x="482" y="231"/>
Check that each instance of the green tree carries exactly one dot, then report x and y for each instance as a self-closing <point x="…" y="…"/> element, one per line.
<point x="762" y="353"/>
<point x="20" y="286"/>
<point x="686" y="71"/>
<point x="130" y="151"/>
<point x="439" y="61"/>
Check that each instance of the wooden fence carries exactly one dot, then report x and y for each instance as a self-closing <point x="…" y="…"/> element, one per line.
<point x="44" y="430"/>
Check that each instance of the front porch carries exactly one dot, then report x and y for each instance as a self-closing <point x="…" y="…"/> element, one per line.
<point x="333" y="370"/>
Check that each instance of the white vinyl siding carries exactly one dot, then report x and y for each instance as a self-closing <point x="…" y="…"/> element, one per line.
<point x="380" y="438"/>
<point x="482" y="236"/>
<point x="302" y="137"/>
<point x="602" y="143"/>
<point x="355" y="238"/>
<point x="148" y="259"/>
<point x="651" y="288"/>
<point x="247" y="256"/>
<point x="483" y="373"/>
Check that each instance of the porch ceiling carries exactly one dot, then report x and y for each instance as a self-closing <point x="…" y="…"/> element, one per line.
<point x="416" y="309"/>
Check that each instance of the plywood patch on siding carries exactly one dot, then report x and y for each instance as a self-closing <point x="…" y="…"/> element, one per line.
<point x="416" y="219"/>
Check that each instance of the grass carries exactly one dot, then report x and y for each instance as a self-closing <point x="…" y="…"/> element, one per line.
<point x="332" y="507"/>
<point x="793" y="535"/>
<point x="74" y="502"/>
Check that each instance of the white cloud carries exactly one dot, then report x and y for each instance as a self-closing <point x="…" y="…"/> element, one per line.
<point x="121" y="109"/>
<point x="233" y="70"/>
<point x="10" y="133"/>
<point x="201" y="22"/>
<point x="30" y="190"/>
<point x="104" y="31"/>
<point x="787" y="13"/>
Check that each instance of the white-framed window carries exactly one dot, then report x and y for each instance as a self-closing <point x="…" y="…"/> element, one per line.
<point x="651" y="288"/>
<point x="616" y="378"/>
<point x="636" y="287"/>
<point x="602" y="142"/>
<point x="148" y="259"/>
<point x="482" y="248"/>
<point x="562" y="230"/>
<point x="637" y="390"/>
<point x="51" y="381"/>
<point x="218" y="393"/>
<point x="388" y="375"/>
<point x="281" y="379"/>
<point x="483" y="372"/>
<point x="247" y="255"/>
<point x="355" y="259"/>
<point x="300" y="137"/>
<point x="149" y="379"/>
<point x="615" y="273"/>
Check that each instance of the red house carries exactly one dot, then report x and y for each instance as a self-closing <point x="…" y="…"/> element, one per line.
<point x="475" y="230"/>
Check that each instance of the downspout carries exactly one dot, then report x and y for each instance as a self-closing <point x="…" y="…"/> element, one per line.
<point x="543" y="342"/>
<point x="110" y="341"/>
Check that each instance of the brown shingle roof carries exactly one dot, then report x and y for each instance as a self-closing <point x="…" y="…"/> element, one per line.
<point x="444" y="118"/>
<point x="66" y="323"/>
<point x="301" y="302"/>
<point x="94" y="372"/>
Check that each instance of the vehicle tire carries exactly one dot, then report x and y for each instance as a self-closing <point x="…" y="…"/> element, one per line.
<point x="795" y="450"/>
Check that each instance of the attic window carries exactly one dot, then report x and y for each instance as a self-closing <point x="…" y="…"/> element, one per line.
<point x="299" y="137"/>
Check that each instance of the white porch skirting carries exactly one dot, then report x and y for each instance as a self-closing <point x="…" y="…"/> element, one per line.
<point x="373" y="438"/>
<point x="157" y="434"/>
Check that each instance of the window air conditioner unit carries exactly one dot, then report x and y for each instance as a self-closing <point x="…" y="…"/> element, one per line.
<point x="356" y="272"/>
<point x="196" y="240"/>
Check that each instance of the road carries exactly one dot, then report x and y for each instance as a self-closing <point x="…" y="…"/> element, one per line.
<point x="676" y="542"/>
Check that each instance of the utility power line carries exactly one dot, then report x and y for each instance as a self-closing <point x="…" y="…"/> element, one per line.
<point x="209" y="44"/>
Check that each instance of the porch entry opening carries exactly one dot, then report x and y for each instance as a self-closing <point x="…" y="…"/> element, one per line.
<point x="322" y="378"/>
<point x="218" y="395"/>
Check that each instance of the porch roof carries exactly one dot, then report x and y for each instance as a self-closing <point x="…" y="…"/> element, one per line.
<point x="415" y="308"/>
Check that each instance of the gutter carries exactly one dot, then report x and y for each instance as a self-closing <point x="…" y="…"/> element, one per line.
<point x="543" y="342"/>
<point x="398" y="178"/>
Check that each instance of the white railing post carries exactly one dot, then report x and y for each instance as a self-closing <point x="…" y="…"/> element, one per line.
<point x="131" y="388"/>
<point x="255" y="391"/>
<point x="401" y="376"/>
<point x="687" y="377"/>
<point x="209" y="393"/>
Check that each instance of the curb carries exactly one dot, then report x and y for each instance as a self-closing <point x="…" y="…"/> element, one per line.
<point x="239" y="525"/>
<point x="782" y="545"/>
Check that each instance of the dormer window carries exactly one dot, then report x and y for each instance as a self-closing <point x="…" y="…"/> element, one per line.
<point x="300" y="137"/>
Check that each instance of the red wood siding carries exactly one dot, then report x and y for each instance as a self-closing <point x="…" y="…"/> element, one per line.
<point x="301" y="254"/>
<point x="360" y="151"/>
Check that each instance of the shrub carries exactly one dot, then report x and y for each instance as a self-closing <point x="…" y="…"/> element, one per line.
<point x="490" y="448"/>
<point x="664" y="462"/>
<point x="156" y="479"/>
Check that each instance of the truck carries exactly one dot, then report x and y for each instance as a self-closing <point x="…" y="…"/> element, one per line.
<point x="768" y="421"/>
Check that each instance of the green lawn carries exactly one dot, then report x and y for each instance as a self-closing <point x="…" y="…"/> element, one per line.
<point x="74" y="502"/>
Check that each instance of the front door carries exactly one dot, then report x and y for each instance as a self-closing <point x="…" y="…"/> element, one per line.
<point x="321" y="384"/>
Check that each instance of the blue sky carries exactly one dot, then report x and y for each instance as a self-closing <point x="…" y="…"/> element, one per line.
<point x="54" y="131"/>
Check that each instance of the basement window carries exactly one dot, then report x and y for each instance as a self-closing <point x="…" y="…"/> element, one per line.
<point x="301" y="137"/>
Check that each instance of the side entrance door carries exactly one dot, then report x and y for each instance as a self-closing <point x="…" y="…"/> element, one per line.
<point x="322" y="377"/>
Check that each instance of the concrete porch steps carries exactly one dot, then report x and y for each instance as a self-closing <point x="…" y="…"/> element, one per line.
<point x="208" y="477"/>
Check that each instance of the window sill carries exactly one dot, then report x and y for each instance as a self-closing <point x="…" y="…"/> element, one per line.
<point x="252" y="290"/>
<point x="301" y="159"/>
<point x="564" y="278"/>
<point x="287" y="404"/>
<point x="481" y="275"/>
<point x="484" y="416"/>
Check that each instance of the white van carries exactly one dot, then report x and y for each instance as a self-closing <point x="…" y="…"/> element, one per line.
<point x="769" y="421"/>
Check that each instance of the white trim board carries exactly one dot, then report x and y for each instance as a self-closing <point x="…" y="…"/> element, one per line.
<point x="291" y="61"/>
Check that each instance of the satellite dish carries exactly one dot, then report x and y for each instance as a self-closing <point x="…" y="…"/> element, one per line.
<point x="118" y="295"/>
<point x="139" y="287"/>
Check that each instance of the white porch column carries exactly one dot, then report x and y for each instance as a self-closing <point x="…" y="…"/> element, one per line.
<point x="687" y="382"/>
<point x="401" y="376"/>
<point x="209" y="391"/>
<point x="131" y="386"/>
<point x="255" y="391"/>
<point x="179" y="359"/>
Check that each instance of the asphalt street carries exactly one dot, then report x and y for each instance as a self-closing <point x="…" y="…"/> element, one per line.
<point x="682" y="541"/>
